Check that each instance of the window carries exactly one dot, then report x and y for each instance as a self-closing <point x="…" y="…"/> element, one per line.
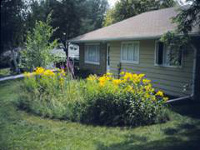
<point x="130" y="52"/>
<point x="167" y="57"/>
<point x="92" y="54"/>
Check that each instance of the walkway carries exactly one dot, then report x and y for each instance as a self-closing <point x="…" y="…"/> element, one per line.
<point x="12" y="77"/>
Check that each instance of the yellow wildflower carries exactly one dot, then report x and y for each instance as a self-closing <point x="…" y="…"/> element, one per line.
<point x="39" y="70"/>
<point x="141" y="75"/>
<point x="122" y="73"/>
<point x="127" y="76"/>
<point x="102" y="80"/>
<point x="148" y="87"/>
<point x="116" y="81"/>
<point x="48" y="73"/>
<point x="160" y="93"/>
<point x="146" y="81"/>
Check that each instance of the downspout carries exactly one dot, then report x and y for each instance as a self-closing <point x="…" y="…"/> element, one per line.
<point x="194" y="72"/>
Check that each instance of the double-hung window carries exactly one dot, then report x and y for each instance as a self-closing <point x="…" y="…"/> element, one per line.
<point x="166" y="56"/>
<point x="130" y="52"/>
<point x="92" y="53"/>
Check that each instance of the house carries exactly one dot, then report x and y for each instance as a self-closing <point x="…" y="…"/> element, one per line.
<point x="133" y="45"/>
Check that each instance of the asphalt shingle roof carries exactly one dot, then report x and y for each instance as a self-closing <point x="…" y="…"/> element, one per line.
<point x="150" y="24"/>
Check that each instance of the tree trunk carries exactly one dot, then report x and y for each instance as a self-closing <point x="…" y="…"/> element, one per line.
<point x="14" y="61"/>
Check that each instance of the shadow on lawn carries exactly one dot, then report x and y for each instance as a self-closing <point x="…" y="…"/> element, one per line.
<point x="185" y="136"/>
<point x="188" y="108"/>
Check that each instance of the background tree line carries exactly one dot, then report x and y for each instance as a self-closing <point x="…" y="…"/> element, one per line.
<point x="72" y="17"/>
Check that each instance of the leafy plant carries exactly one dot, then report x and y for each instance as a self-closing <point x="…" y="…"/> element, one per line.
<point x="38" y="46"/>
<point x="49" y="94"/>
<point x="104" y="100"/>
<point x="130" y="100"/>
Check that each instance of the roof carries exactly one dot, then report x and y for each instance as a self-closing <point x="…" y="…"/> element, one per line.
<point x="152" y="24"/>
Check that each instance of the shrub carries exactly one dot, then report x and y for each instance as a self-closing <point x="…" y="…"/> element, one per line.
<point x="130" y="100"/>
<point x="49" y="94"/>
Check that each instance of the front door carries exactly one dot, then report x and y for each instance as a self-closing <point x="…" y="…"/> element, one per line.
<point x="108" y="58"/>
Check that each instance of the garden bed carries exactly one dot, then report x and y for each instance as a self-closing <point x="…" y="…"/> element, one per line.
<point x="128" y="101"/>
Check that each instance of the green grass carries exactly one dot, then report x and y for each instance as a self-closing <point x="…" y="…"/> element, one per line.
<point x="4" y="72"/>
<point x="24" y="131"/>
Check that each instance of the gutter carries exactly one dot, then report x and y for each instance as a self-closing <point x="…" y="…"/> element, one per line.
<point x="179" y="99"/>
<point x="124" y="38"/>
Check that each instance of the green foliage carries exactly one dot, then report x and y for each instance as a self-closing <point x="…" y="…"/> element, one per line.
<point x="49" y="94"/>
<point x="5" y="72"/>
<point x="12" y="24"/>
<point x="186" y="20"/>
<point x="129" y="8"/>
<point x="130" y="100"/>
<point x="73" y="17"/>
<point x="38" y="46"/>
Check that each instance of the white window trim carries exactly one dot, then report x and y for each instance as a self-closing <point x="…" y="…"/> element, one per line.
<point x="131" y="62"/>
<point x="91" y="62"/>
<point x="164" y="65"/>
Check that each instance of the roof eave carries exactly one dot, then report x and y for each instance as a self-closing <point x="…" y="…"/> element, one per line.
<point x="124" y="38"/>
<point x="114" y="39"/>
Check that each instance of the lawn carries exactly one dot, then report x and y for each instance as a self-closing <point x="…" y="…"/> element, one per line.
<point x="22" y="130"/>
<point x="4" y="72"/>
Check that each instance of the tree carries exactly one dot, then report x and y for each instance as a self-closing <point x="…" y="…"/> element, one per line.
<point x="129" y="8"/>
<point x="187" y="19"/>
<point x="73" y="17"/>
<point x="38" y="46"/>
<point x="12" y="24"/>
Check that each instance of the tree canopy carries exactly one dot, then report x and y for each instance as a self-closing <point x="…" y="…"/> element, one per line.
<point x="12" y="23"/>
<point x="38" y="49"/>
<point x="72" y="17"/>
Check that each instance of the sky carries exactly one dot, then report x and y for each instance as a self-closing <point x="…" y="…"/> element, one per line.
<point x="112" y="2"/>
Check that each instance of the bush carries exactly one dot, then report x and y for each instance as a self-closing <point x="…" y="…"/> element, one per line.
<point x="104" y="100"/>
<point x="49" y="94"/>
<point x="130" y="100"/>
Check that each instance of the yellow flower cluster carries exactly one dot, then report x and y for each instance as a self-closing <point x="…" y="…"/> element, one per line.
<point x="48" y="73"/>
<point x="131" y="83"/>
<point x="160" y="93"/>
<point x="45" y="72"/>
<point x="39" y="70"/>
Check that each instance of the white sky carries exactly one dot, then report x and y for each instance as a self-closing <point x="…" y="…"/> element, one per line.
<point x="112" y="2"/>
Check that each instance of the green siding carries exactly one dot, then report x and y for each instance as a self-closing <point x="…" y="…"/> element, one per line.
<point x="93" y="68"/>
<point x="169" y="79"/>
